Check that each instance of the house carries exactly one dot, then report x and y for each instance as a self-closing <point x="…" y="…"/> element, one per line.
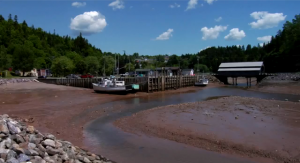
<point x="44" y="72"/>
<point x="168" y="71"/>
<point x="32" y="73"/>
<point x="187" y="72"/>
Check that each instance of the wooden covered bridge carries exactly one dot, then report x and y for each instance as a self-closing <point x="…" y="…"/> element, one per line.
<point x="241" y="69"/>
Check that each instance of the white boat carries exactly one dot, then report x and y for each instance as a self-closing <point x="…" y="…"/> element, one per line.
<point x="202" y="82"/>
<point x="111" y="85"/>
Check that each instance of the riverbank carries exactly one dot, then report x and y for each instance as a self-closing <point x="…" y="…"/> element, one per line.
<point x="278" y="86"/>
<point x="63" y="110"/>
<point x="243" y="126"/>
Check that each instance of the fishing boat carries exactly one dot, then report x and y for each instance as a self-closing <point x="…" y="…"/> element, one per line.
<point x="111" y="85"/>
<point x="202" y="81"/>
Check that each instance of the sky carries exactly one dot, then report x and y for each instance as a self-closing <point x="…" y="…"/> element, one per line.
<point x="157" y="26"/>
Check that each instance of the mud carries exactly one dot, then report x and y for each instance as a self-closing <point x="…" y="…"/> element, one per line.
<point x="61" y="110"/>
<point x="284" y="87"/>
<point x="249" y="127"/>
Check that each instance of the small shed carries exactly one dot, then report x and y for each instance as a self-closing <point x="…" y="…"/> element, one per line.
<point x="187" y="72"/>
<point x="241" y="68"/>
<point x="143" y="72"/>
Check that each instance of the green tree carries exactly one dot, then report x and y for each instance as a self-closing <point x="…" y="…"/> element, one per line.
<point x="92" y="64"/>
<point x="129" y="67"/>
<point x="23" y="59"/>
<point x="62" y="65"/>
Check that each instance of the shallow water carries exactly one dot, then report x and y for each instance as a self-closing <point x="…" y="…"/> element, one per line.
<point x="123" y="147"/>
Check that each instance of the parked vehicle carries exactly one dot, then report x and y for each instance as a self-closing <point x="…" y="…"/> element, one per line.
<point x="125" y="75"/>
<point x="42" y="77"/>
<point x="87" y="76"/>
<point x="73" y="76"/>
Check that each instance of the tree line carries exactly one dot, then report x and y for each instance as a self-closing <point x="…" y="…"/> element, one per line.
<point x="24" y="47"/>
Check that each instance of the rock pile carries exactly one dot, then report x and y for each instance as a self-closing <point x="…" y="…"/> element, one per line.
<point x="7" y="81"/>
<point x="285" y="76"/>
<point x="211" y="78"/>
<point x="21" y="143"/>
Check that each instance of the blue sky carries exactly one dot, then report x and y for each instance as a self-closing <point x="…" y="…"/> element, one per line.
<point x="156" y="27"/>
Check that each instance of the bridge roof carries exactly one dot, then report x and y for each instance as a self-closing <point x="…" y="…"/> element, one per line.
<point x="241" y="66"/>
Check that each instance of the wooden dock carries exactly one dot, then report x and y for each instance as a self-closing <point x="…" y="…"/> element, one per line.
<point x="147" y="84"/>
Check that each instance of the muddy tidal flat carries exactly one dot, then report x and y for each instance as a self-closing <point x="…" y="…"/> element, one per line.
<point x="264" y="130"/>
<point x="284" y="87"/>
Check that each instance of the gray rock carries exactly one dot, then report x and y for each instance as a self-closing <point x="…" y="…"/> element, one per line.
<point x="51" y="151"/>
<point x="38" y="159"/>
<point x="23" y="158"/>
<point x="64" y="156"/>
<point x="4" y="151"/>
<point x="12" y="160"/>
<point x="31" y="152"/>
<point x="31" y="146"/>
<point x="18" y="150"/>
<point x="2" y="161"/>
<point x="50" y="136"/>
<point x="49" y="160"/>
<point x="48" y="142"/>
<point x="40" y="147"/>
<point x="92" y="158"/>
<point x="86" y="160"/>
<point x="13" y="129"/>
<point x="19" y="139"/>
<point x="77" y="161"/>
<point x="3" y="127"/>
<point x="11" y="154"/>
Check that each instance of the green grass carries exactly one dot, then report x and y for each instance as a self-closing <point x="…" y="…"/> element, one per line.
<point x="9" y="75"/>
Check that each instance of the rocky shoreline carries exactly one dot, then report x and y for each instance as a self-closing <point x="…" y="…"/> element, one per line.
<point x="8" y="81"/>
<point x="22" y="143"/>
<point x="285" y="76"/>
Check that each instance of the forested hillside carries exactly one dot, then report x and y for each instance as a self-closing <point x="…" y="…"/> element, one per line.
<point x="23" y="48"/>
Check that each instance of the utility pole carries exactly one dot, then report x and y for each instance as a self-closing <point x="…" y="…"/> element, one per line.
<point x="104" y="65"/>
<point x="118" y="63"/>
<point x="198" y="64"/>
<point x="115" y="69"/>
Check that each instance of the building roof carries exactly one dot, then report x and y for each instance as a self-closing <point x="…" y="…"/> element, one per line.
<point x="142" y="70"/>
<point x="170" y="68"/>
<point x="241" y="66"/>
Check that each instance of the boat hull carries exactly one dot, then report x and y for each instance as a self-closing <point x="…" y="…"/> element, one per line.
<point x="111" y="89"/>
<point x="201" y="84"/>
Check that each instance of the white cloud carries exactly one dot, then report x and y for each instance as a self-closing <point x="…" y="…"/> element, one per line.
<point x="192" y="4"/>
<point x="166" y="35"/>
<point x="235" y="34"/>
<point x="266" y="20"/>
<point x="118" y="4"/>
<point x="88" y="22"/>
<point x="175" y="5"/>
<point x="218" y="19"/>
<point x="261" y="44"/>
<point x="264" y="38"/>
<point x="213" y="32"/>
<point x="210" y="1"/>
<point x="78" y="4"/>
